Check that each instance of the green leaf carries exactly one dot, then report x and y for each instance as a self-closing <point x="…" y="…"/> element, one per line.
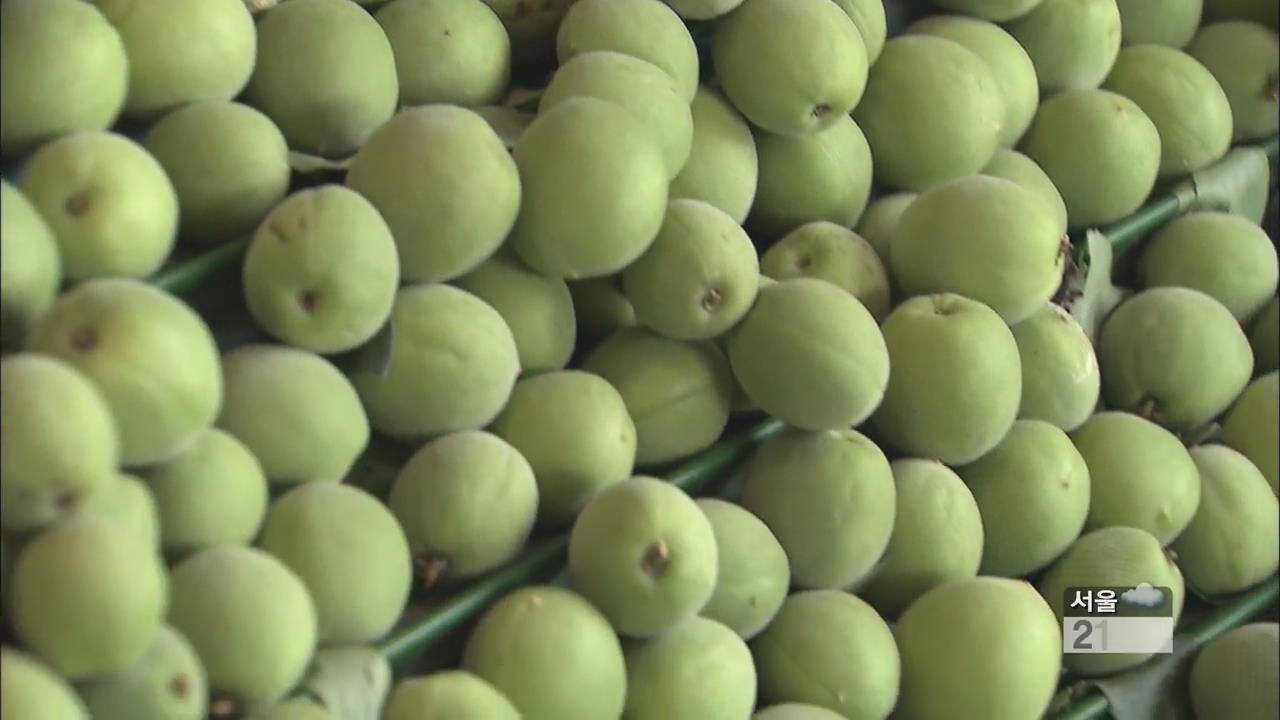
<point x="1237" y="183"/>
<point x="1090" y="294"/>
<point x="350" y="682"/>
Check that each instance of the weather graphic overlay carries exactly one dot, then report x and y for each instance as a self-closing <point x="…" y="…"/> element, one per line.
<point x="1107" y="620"/>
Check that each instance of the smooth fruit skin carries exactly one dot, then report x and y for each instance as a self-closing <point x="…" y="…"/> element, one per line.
<point x="644" y="554"/>
<point x="1032" y="492"/>
<point x="795" y="711"/>
<point x="227" y="186"/>
<point x="447" y="694"/>
<point x="467" y="62"/>
<point x="1244" y="57"/>
<point x="810" y="354"/>
<point x="30" y="267"/>
<point x="1061" y="381"/>
<point x="993" y="10"/>
<point x="792" y="67"/>
<point x="1175" y="355"/>
<point x="956" y="382"/>
<point x="829" y="648"/>
<point x="166" y="681"/>
<point x="869" y="17"/>
<point x="1072" y="43"/>
<point x="1022" y="170"/>
<point x="31" y="690"/>
<point x="1252" y="424"/>
<point x="698" y="670"/>
<point x="1233" y="676"/>
<point x="703" y="9"/>
<point x="829" y="499"/>
<point x="63" y="69"/>
<point x="47" y="408"/>
<point x="723" y="164"/>
<point x="834" y="253"/>
<point x="249" y="618"/>
<point x="1233" y="541"/>
<point x="941" y="677"/>
<point x="753" y="573"/>
<point x="646" y="29"/>
<point x="551" y="653"/>
<point x="149" y="354"/>
<point x="86" y="596"/>
<point x="880" y="220"/>
<point x="1140" y="475"/>
<point x="128" y="502"/>
<point x="1171" y="24"/>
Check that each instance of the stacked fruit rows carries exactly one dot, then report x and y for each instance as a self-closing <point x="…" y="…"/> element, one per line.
<point x="551" y="250"/>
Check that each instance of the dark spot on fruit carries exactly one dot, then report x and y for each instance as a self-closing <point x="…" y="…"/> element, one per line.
<point x="447" y="33"/>
<point x="66" y="500"/>
<point x="820" y="109"/>
<point x="803" y="262"/>
<point x="84" y="339"/>
<point x="308" y="299"/>
<point x="656" y="559"/>
<point x="711" y="299"/>
<point x="179" y="686"/>
<point x="77" y="204"/>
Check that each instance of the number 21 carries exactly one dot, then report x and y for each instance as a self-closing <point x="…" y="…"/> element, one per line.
<point x="1085" y="628"/>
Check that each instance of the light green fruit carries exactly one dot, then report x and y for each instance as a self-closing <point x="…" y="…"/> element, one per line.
<point x="869" y="16"/>
<point x="1010" y="66"/>
<point x="795" y="711"/>
<point x="810" y="355"/>
<point x="128" y="502"/>
<point x="108" y="202"/>
<point x="574" y="429"/>
<point x="956" y="383"/>
<point x="250" y="620"/>
<point x="1232" y="676"/>
<point x="937" y="536"/>
<point x="698" y="278"/>
<point x="1188" y="106"/>
<point x="831" y="252"/>
<point x="467" y="61"/>
<point x="336" y="538"/>
<point x="830" y="649"/>
<point x="63" y="70"/>
<point x="1169" y="23"/>
<point x="1259" y="11"/>
<point x="644" y="554"/>
<point x="1252" y="424"/>
<point x="538" y="309"/>
<point x="1220" y="254"/>
<point x="829" y="499"/>
<point x="753" y="573"/>
<point x="698" y="670"/>
<point x="182" y="51"/>
<point x="1060" y="378"/>
<point x="678" y="393"/>
<point x="1110" y="557"/>
<point x="447" y="362"/>
<point x="46" y="409"/>
<point x="32" y="691"/>
<point x="212" y="493"/>
<point x="600" y="307"/>
<point x="325" y="73"/>
<point x="653" y="97"/>
<point x="1014" y="678"/>
<point x="723" y="165"/>
<point x="297" y="414"/>
<point x="86" y="596"/>
<point x="994" y="10"/>
<point x="1140" y="475"/>
<point x="321" y="272"/>
<point x="1233" y="542"/>
<point x="114" y="331"/>
<point x="1022" y="170"/>
<point x="294" y="710"/>
<point x="1265" y="338"/>
<point x="1245" y="60"/>
<point x="646" y="29"/>
<point x="918" y="79"/>
<point x="1072" y="43"/>
<point x="879" y="221"/>
<point x="467" y="502"/>
<point x="445" y="222"/>
<point x="703" y="9"/>
<point x="1174" y="355"/>
<point x="792" y="67"/>
<point x="1032" y="492"/>
<point x="1100" y="150"/>
<point x="551" y="653"/>
<point x="30" y="270"/>
<point x="448" y="694"/>
<point x="822" y="175"/>
<point x="982" y="237"/>
<point x="228" y="163"/>
<point x="587" y="164"/>
<point x="166" y="681"/>
<point x="532" y="28"/>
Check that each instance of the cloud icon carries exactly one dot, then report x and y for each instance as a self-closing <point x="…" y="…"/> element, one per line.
<point x="1144" y="595"/>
